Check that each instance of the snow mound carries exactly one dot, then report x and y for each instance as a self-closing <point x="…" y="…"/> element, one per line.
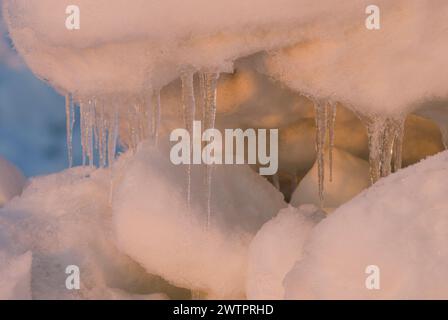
<point x="15" y="280"/>
<point x="65" y="219"/>
<point x="154" y="226"/>
<point x="275" y="249"/>
<point x="374" y="71"/>
<point x="399" y="225"/>
<point x="350" y="177"/>
<point x="12" y="181"/>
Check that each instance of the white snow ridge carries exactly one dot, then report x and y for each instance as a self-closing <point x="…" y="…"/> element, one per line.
<point x="140" y="227"/>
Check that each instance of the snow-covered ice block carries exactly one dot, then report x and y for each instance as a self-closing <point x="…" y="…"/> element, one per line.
<point x="154" y="226"/>
<point x="15" y="276"/>
<point x="275" y="249"/>
<point x="399" y="225"/>
<point x="350" y="177"/>
<point x="12" y="181"/>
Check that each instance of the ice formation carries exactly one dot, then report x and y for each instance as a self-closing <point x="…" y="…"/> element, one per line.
<point x="399" y="225"/>
<point x="117" y="73"/>
<point x="305" y="50"/>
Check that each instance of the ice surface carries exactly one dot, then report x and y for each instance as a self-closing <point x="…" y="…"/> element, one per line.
<point x="275" y="248"/>
<point x="151" y="225"/>
<point x="399" y="225"/>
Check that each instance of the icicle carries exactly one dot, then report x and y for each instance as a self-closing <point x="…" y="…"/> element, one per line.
<point x="208" y="83"/>
<point x="112" y="137"/>
<point x="90" y="130"/>
<point x="133" y="125"/>
<point x="388" y="138"/>
<point x="331" y="118"/>
<point x="385" y="143"/>
<point x="398" y="144"/>
<point x="70" y="121"/>
<point x="101" y="132"/>
<point x="189" y="108"/>
<point x="375" y="129"/>
<point x="157" y="116"/>
<point x="83" y="125"/>
<point x="321" y="132"/>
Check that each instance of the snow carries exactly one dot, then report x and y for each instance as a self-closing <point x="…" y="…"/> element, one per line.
<point x="350" y="177"/>
<point x="154" y="226"/>
<point x="275" y="248"/>
<point x="307" y="51"/>
<point x="15" y="282"/>
<point x="399" y="225"/>
<point x="65" y="219"/>
<point x="12" y="181"/>
<point x="141" y="223"/>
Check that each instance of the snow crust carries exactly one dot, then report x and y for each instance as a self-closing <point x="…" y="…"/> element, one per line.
<point x="12" y="181"/>
<point x="154" y="226"/>
<point x="319" y="48"/>
<point x="275" y="249"/>
<point x="399" y="225"/>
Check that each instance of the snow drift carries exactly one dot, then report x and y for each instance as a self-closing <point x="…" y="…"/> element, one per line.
<point x="399" y="225"/>
<point x="275" y="248"/>
<point x="155" y="227"/>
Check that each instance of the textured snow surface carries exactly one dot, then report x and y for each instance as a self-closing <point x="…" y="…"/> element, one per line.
<point x="320" y="48"/>
<point x="154" y="227"/>
<point x="15" y="280"/>
<point x="399" y="224"/>
<point x="256" y="247"/>
<point x="275" y="249"/>
<point x="12" y="181"/>
<point x="65" y="219"/>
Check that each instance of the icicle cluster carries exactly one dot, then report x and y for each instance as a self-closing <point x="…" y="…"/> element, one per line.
<point x="99" y="122"/>
<point x="385" y="136"/>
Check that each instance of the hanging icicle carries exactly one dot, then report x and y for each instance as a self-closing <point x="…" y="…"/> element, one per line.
<point x="189" y="109"/>
<point x="385" y="135"/>
<point x="331" y="119"/>
<point x="112" y="137"/>
<point x="70" y="121"/>
<point x="375" y="129"/>
<point x="208" y="82"/>
<point x="157" y="116"/>
<point x="321" y="132"/>
<point x="398" y="144"/>
<point x="83" y="128"/>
